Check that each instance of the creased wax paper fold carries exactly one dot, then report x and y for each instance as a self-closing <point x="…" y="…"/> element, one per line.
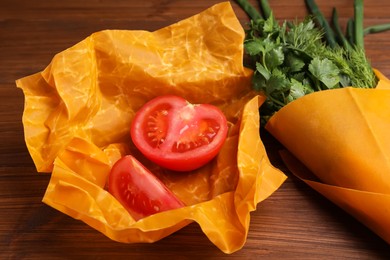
<point x="78" y="112"/>
<point x="338" y="142"/>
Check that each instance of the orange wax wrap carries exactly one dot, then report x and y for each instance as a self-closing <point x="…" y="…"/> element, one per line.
<point x="338" y="142"/>
<point x="77" y="121"/>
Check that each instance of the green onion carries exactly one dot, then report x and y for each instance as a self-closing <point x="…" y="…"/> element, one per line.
<point x="329" y="34"/>
<point x="377" y="28"/>
<point x="265" y="7"/>
<point x="339" y="33"/>
<point x="359" y="35"/>
<point x="249" y="9"/>
<point x="350" y="31"/>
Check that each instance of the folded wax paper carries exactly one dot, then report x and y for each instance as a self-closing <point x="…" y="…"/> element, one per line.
<point x="77" y="120"/>
<point x="338" y="142"/>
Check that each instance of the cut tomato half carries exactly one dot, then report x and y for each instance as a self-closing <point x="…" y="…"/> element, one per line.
<point x="138" y="190"/>
<point x="178" y="135"/>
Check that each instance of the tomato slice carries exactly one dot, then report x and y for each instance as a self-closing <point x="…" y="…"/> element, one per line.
<point x="138" y="190"/>
<point x="178" y="135"/>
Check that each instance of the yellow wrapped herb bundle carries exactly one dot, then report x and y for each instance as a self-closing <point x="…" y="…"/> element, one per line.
<point x="326" y="106"/>
<point x="79" y="109"/>
<point x="338" y="142"/>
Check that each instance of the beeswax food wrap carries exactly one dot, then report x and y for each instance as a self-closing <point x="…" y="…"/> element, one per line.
<point x="78" y="112"/>
<point x="338" y="143"/>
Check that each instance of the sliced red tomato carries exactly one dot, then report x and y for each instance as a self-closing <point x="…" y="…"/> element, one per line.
<point x="178" y="135"/>
<point x="138" y="190"/>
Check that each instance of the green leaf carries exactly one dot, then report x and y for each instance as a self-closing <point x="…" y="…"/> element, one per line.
<point x="325" y="71"/>
<point x="277" y="83"/>
<point x="274" y="57"/>
<point x="258" y="82"/>
<point x="299" y="76"/>
<point x="309" y="85"/>
<point x="263" y="71"/>
<point x="294" y="63"/>
<point x="297" y="90"/>
<point x="269" y="44"/>
<point x="253" y="47"/>
<point x="257" y="25"/>
<point x="269" y="25"/>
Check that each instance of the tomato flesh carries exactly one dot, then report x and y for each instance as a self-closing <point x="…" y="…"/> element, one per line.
<point x="178" y="135"/>
<point x="156" y="126"/>
<point x="138" y="190"/>
<point x="195" y="138"/>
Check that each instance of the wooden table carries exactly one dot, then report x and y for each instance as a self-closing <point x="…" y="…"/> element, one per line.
<point x="294" y="223"/>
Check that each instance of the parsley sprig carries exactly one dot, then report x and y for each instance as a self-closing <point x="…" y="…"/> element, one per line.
<point x="294" y="58"/>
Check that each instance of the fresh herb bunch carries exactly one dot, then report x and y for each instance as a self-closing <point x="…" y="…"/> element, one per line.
<point x="297" y="58"/>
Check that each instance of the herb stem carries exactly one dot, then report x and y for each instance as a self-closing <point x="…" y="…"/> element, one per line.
<point x="377" y="28"/>
<point x="274" y="100"/>
<point x="264" y="62"/>
<point x="249" y="9"/>
<point x="329" y="34"/>
<point x="359" y="35"/>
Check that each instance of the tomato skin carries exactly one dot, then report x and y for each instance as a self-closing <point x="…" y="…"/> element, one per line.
<point x="138" y="190"/>
<point x="177" y="135"/>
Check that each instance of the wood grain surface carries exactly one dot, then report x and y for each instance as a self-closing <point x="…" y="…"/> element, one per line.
<point x="294" y="223"/>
